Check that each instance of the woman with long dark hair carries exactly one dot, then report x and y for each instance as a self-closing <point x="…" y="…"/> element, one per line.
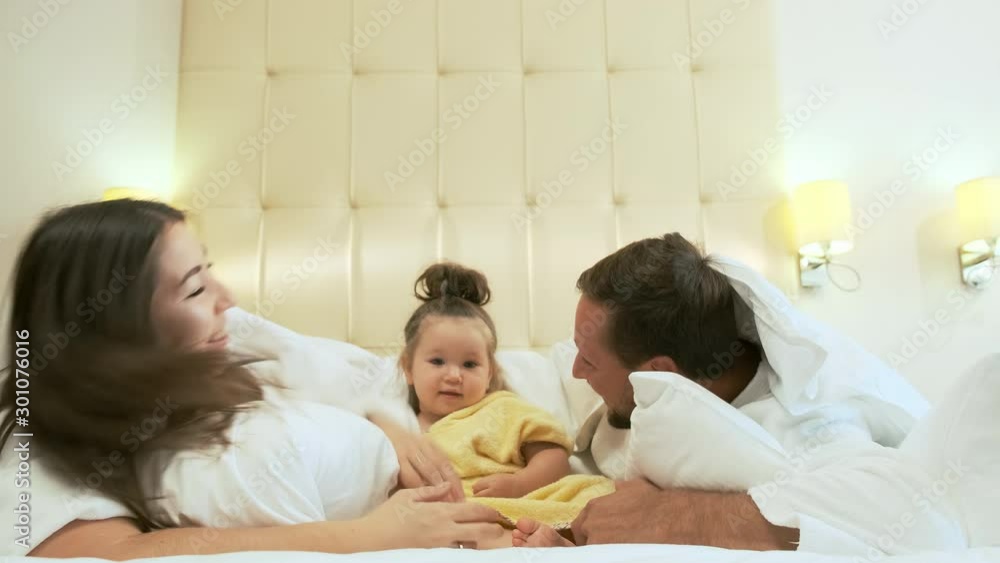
<point x="125" y="330"/>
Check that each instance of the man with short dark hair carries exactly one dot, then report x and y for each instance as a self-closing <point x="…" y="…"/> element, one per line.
<point x="661" y="305"/>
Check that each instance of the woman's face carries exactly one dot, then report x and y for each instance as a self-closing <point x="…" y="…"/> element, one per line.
<point x="188" y="302"/>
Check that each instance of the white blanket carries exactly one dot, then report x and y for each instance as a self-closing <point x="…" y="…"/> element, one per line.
<point x="814" y="366"/>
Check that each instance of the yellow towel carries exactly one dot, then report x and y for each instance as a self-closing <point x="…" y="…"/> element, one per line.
<point x="487" y="438"/>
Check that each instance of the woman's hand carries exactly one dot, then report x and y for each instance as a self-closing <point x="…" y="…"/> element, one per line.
<point x="501" y="485"/>
<point x="421" y="462"/>
<point x="421" y="518"/>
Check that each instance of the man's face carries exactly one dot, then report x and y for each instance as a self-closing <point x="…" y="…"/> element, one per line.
<point x="597" y="364"/>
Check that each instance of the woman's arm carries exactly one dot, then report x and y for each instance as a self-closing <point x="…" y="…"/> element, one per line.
<point x="420" y="461"/>
<point x="414" y="518"/>
<point x="120" y="539"/>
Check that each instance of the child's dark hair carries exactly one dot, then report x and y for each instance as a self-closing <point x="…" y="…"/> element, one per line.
<point x="451" y="290"/>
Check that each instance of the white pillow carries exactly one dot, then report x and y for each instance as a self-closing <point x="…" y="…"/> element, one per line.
<point x="528" y="373"/>
<point x="958" y="445"/>
<point x="536" y="378"/>
<point x="344" y="375"/>
<point x="685" y="436"/>
<point x="320" y="370"/>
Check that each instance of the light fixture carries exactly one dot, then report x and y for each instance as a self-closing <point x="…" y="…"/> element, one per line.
<point x="822" y="213"/>
<point x="979" y="219"/>
<point x="128" y="193"/>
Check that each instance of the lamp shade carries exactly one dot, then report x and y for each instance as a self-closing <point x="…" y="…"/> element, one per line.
<point x="822" y="212"/>
<point x="979" y="209"/>
<point x="127" y="193"/>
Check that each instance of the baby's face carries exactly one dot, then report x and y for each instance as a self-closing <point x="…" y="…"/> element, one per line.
<point x="450" y="368"/>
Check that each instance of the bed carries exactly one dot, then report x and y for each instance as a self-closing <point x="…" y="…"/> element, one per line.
<point x="329" y="150"/>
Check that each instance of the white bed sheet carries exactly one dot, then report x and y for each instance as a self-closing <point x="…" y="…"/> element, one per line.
<point x="631" y="553"/>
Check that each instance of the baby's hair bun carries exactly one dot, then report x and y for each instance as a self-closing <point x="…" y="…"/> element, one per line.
<point x="449" y="279"/>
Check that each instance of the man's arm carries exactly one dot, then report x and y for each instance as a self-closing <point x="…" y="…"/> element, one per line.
<point x="639" y="512"/>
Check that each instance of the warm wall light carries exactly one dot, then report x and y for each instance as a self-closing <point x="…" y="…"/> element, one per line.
<point x="979" y="218"/>
<point x="822" y="212"/>
<point x="128" y="193"/>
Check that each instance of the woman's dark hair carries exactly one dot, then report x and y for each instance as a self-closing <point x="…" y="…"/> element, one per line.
<point x="662" y="297"/>
<point x="451" y="290"/>
<point x="95" y="386"/>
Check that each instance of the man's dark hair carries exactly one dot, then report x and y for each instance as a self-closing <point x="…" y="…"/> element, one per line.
<point x="663" y="298"/>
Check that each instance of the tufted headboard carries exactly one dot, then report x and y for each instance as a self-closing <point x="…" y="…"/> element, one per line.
<point x="328" y="150"/>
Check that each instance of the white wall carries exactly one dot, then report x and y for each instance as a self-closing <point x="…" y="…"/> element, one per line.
<point x="68" y="75"/>
<point x="895" y="85"/>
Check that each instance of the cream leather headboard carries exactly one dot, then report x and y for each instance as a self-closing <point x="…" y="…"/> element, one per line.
<point x="331" y="149"/>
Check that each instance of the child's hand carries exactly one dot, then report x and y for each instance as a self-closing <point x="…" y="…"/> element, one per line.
<point x="501" y="485"/>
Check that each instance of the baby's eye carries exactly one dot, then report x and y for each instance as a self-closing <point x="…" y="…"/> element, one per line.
<point x="437" y="361"/>
<point x="471" y="365"/>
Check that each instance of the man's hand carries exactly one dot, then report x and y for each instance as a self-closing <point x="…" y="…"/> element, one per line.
<point x="631" y="514"/>
<point x="639" y="512"/>
<point x="501" y="485"/>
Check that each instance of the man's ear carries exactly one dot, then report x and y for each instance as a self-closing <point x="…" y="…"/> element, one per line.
<point x="659" y="363"/>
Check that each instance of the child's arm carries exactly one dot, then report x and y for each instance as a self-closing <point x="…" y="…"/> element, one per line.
<point x="546" y="463"/>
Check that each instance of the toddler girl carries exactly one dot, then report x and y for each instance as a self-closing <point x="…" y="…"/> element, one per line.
<point x="509" y="454"/>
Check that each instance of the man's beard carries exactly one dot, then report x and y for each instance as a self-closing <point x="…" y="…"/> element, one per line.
<point x="619" y="420"/>
<point x="620" y="414"/>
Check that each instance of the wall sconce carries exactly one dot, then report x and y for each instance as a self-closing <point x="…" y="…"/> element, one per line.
<point x="822" y="213"/>
<point x="979" y="218"/>
<point x="128" y="193"/>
